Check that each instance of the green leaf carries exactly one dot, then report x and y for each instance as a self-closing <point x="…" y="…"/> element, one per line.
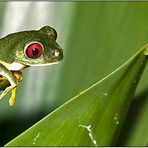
<point x="95" y="116"/>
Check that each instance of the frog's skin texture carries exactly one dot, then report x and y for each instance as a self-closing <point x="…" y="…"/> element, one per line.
<point x="25" y="49"/>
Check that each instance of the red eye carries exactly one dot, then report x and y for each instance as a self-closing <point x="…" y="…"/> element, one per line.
<point x="34" y="50"/>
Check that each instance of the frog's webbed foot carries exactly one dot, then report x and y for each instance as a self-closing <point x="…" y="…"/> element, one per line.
<point x="7" y="89"/>
<point x="13" y="84"/>
<point x="13" y="94"/>
<point x="11" y="88"/>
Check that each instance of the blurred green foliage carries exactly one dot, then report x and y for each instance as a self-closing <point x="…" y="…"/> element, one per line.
<point x="96" y="37"/>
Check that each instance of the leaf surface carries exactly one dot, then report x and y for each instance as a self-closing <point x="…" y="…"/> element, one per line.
<point x="95" y="116"/>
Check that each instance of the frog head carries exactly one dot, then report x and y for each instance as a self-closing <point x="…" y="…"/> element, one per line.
<point x="37" y="48"/>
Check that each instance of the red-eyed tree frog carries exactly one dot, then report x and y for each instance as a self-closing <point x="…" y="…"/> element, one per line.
<point x="24" y="49"/>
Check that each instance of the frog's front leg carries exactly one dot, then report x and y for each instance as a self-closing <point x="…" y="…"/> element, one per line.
<point x="13" y="83"/>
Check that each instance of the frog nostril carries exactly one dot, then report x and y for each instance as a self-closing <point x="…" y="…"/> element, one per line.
<point x="56" y="53"/>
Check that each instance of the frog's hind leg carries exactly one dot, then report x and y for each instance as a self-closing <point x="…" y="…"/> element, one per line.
<point x="13" y="83"/>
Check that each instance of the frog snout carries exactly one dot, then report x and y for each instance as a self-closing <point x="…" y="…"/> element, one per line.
<point x="58" y="54"/>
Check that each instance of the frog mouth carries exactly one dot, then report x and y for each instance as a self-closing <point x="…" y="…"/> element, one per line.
<point x="45" y="64"/>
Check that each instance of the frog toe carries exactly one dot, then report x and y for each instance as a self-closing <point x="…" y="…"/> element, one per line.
<point x="12" y="98"/>
<point x="2" y="96"/>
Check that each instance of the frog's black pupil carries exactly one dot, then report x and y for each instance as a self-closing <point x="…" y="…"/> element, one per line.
<point x="35" y="51"/>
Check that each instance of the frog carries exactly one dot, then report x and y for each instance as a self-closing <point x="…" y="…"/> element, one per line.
<point x="25" y="49"/>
